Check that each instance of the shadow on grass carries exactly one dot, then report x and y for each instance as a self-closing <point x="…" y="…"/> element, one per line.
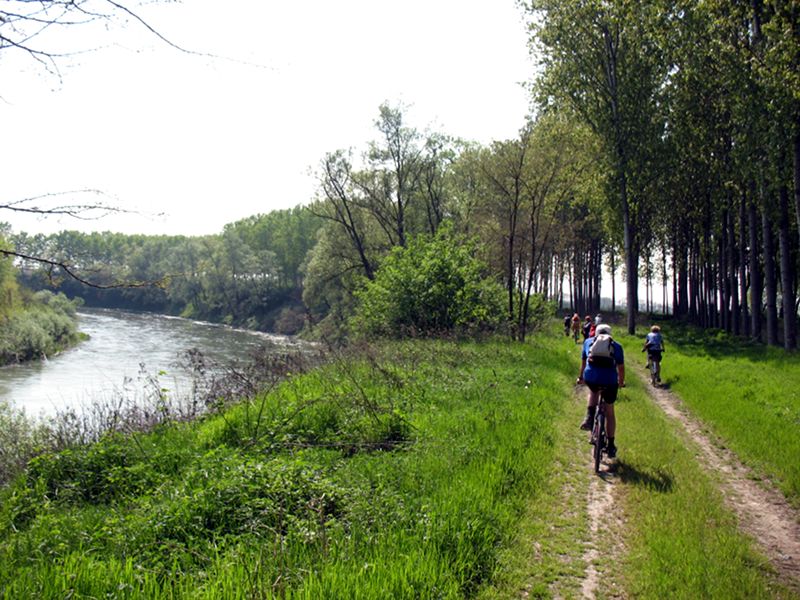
<point x="656" y="480"/>
<point x="666" y="384"/>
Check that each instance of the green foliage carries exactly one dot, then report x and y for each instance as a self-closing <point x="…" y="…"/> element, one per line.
<point x="46" y="325"/>
<point x="19" y="441"/>
<point x="9" y="290"/>
<point x="433" y="285"/>
<point x="246" y="275"/>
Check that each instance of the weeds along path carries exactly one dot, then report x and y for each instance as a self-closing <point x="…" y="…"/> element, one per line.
<point x="762" y="510"/>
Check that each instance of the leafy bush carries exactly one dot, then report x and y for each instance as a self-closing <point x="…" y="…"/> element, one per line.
<point x="433" y="285"/>
<point x="46" y="325"/>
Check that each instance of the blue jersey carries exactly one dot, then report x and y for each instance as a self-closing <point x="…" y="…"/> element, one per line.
<point x="654" y="342"/>
<point x="599" y="375"/>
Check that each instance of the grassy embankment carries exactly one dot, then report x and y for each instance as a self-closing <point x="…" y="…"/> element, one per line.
<point x="41" y="326"/>
<point x="394" y="475"/>
<point x="428" y="470"/>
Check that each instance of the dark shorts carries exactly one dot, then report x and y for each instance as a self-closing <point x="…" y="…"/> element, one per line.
<point x="609" y="392"/>
<point x="654" y="355"/>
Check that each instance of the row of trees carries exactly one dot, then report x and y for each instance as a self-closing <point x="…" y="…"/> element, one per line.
<point x="527" y="207"/>
<point x="250" y="274"/>
<point x="696" y="108"/>
<point x="527" y="202"/>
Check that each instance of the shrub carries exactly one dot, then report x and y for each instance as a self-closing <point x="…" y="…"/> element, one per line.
<point x="433" y="285"/>
<point x="46" y="325"/>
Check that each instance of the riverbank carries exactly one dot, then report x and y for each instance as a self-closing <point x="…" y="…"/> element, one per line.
<point x="396" y="471"/>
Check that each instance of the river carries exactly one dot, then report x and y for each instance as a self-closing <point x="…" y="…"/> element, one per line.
<point x="123" y="353"/>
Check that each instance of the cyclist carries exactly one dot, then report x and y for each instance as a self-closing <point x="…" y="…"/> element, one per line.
<point x="576" y="325"/>
<point x="587" y="327"/>
<point x="654" y="344"/>
<point x="602" y="377"/>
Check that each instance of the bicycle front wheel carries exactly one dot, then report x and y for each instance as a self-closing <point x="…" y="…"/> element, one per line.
<point x="599" y="439"/>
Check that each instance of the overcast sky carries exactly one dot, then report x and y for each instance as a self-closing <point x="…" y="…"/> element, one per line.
<point x="209" y="141"/>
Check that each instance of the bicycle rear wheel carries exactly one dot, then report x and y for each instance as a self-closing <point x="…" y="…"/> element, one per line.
<point x="653" y="372"/>
<point x="599" y="439"/>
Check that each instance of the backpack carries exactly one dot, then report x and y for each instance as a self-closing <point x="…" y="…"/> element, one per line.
<point x="601" y="352"/>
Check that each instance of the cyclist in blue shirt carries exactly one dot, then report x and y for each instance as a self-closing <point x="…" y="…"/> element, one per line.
<point x="654" y="344"/>
<point x="605" y="377"/>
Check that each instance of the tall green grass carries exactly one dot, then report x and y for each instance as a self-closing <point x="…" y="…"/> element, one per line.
<point x="401" y="472"/>
<point x="748" y="394"/>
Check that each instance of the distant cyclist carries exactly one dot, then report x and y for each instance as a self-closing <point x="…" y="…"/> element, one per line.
<point x="567" y="321"/>
<point x="575" y="324"/>
<point x="654" y="344"/>
<point x="603" y="371"/>
<point x="587" y="328"/>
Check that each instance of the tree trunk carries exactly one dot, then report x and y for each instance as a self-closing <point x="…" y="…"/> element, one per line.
<point x="631" y="260"/>
<point x="787" y="274"/>
<point x="769" y="279"/>
<point x="722" y="275"/>
<point x="756" y="290"/>
<point x="613" y="281"/>
<point x="743" y="267"/>
<point x="682" y="299"/>
<point x="733" y="287"/>
<point x="694" y="283"/>
<point x="796" y="153"/>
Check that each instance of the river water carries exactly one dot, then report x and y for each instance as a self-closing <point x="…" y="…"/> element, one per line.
<point x="123" y="354"/>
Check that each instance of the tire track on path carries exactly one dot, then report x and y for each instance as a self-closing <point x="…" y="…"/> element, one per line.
<point x="604" y="545"/>
<point x="600" y="504"/>
<point x="762" y="510"/>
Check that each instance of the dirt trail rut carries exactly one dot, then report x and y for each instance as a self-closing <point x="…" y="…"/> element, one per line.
<point x="762" y="511"/>
<point x="601" y="529"/>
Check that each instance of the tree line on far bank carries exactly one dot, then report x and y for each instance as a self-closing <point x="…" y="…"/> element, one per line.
<point x="249" y="275"/>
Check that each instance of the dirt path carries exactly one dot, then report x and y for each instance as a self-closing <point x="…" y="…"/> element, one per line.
<point x="603" y="531"/>
<point x="604" y="544"/>
<point x="762" y="511"/>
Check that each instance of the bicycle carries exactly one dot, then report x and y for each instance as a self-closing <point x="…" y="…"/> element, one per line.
<point x="654" y="372"/>
<point x="598" y="437"/>
<point x="654" y="364"/>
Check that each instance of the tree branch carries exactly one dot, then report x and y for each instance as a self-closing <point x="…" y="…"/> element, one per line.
<point x="54" y="264"/>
